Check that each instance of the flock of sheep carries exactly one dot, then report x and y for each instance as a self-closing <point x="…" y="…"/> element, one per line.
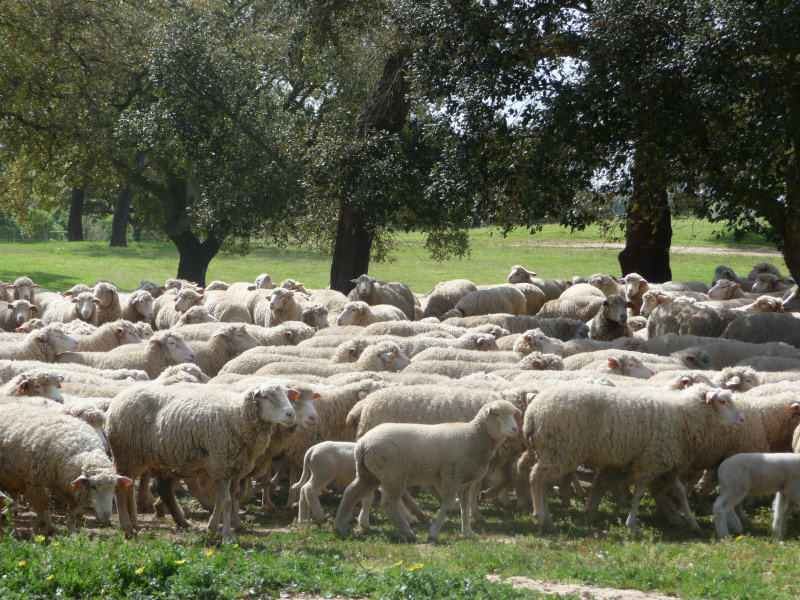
<point x="472" y="391"/>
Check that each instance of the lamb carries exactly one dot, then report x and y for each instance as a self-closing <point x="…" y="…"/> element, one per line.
<point x="370" y="290"/>
<point x="653" y="298"/>
<point x="581" y="308"/>
<point x="137" y="306"/>
<point x="143" y="330"/>
<point x="648" y="432"/>
<point x="197" y="314"/>
<point x="23" y="288"/>
<point x="610" y="322"/>
<point x="36" y="382"/>
<point x="282" y="307"/>
<point x="362" y="314"/>
<point x="82" y="307"/>
<point x="16" y="314"/>
<point x="48" y="455"/>
<point x="161" y="351"/>
<point x="756" y="474"/>
<point x="169" y="306"/>
<point x="224" y="345"/>
<point x="109" y="308"/>
<point x="240" y="289"/>
<point x="41" y="345"/>
<point x="552" y="288"/>
<point x="196" y="430"/>
<point x="499" y="299"/>
<point x="764" y="327"/>
<point x="226" y="307"/>
<point x="452" y="455"/>
<point x="315" y="315"/>
<point x="151" y="288"/>
<point x="445" y="295"/>
<point x="109" y="336"/>
<point x="726" y="289"/>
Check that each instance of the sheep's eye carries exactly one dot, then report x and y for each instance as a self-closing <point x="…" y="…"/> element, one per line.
<point x="721" y="401"/>
<point x="172" y="343"/>
<point x="58" y="385"/>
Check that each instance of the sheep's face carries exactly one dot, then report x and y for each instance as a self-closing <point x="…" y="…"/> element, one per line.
<point x="350" y="315"/>
<point x="724" y="289"/>
<point x="615" y="308"/>
<point x="144" y="306"/>
<point x="153" y="289"/>
<point x="630" y="367"/>
<point x="539" y="341"/>
<point x="766" y="283"/>
<point x="393" y="359"/>
<point x="197" y="314"/>
<point x="60" y="341"/>
<point x="520" y="274"/>
<point x="127" y="334"/>
<point x="364" y="285"/>
<point x="724" y="406"/>
<point x="274" y="404"/>
<point x="187" y="299"/>
<point x="264" y="282"/>
<point x="22" y="289"/>
<point x="144" y="331"/>
<point x="764" y="304"/>
<point x="762" y="267"/>
<point x="178" y="351"/>
<point x="218" y="286"/>
<point x="280" y="298"/>
<point x="741" y="381"/>
<point x="316" y="316"/>
<point x="634" y="284"/>
<point x="295" y="286"/>
<point x="21" y="312"/>
<point x="691" y="379"/>
<point x="502" y="419"/>
<point x="696" y="358"/>
<point x="791" y="303"/>
<point x="86" y="305"/>
<point x="605" y="283"/>
<point x="47" y="386"/>
<point x="98" y="492"/>
<point x="637" y="323"/>
<point x="723" y="272"/>
<point x="29" y="326"/>
<point x="304" y="409"/>
<point x="242" y="340"/>
<point x="536" y="361"/>
<point x="105" y="294"/>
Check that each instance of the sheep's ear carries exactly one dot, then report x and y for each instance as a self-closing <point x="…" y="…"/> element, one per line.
<point x="156" y="341"/>
<point x="79" y="482"/>
<point x="11" y="287"/>
<point x="316" y="396"/>
<point x="733" y="382"/>
<point x="527" y="338"/>
<point x="794" y="408"/>
<point x="257" y="393"/>
<point x="307" y="312"/>
<point x="388" y="356"/>
<point x="684" y="381"/>
<point x="23" y="385"/>
<point x="709" y="397"/>
<point x="537" y="363"/>
<point x="250" y="288"/>
<point x="290" y="293"/>
<point x="120" y="330"/>
<point x="362" y="395"/>
<point x="354" y="281"/>
<point x="489" y="411"/>
<point x="620" y="281"/>
<point x="531" y="273"/>
<point x="61" y="378"/>
<point x="10" y="307"/>
<point x="35" y="309"/>
<point x="529" y="396"/>
<point x="517" y="415"/>
<point x="605" y="303"/>
<point x="123" y="482"/>
<point x="613" y="363"/>
<point x="96" y="301"/>
<point x="74" y="300"/>
<point x="735" y="286"/>
<point x="201" y="291"/>
<point x="351" y="350"/>
<point x="163" y="288"/>
<point x="630" y="304"/>
<point x="373" y="280"/>
<point x="287" y="335"/>
<point x="292" y="395"/>
<point x="35" y="285"/>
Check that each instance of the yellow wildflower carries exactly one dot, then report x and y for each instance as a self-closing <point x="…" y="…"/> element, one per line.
<point x="415" y="567"/>
<point x="21" y="563"/>
<point x="180" y="562"/>
<point x="54" y="544"/>
<point x="399" y="564"/>
<point x="139" y="571"/>
<point x="210" y="552"/>
<point x="49" y="577"/>
<point x="39" y="538"/>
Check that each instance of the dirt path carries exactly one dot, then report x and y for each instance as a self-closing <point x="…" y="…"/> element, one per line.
<point x="583" y="591"/>
<point x="744" y="250"/>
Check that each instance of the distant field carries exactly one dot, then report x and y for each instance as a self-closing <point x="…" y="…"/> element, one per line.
<point x="60" y="265"/>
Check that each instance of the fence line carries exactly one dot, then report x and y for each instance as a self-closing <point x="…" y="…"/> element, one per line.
<point x="10" y="235"/>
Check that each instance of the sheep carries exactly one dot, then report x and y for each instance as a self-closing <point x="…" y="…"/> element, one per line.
<point x="161" y="351"/>
<point x="197" y="314"/>
<point x="499" y="299"/>
<point x="607" y="284"/>
<point x="109" y="308"/>
<point x="408" y="329"/>
<point x="181" y="284"/>
<point x="766" y="283"/>
<point x="41" y="344"/>
<point x="452" y="455"/>
<point x="226" y="307"/>
<point x="241" y="289"/>
<point x="581" y="308"/>
<point x="151" y="288"/>
<point x="16" y="314"/>
<point x="109" y="336"/>
<point x="763" y="267"/>
<point x="649" y="432"/>
<point x="225" y="344"/>
<point x="755" y="474"/>
<point x="195" y="430"/>
<point x="620" y="364"/>
<point x="770" y="363"/>
<point x="289" y="333"/>
<point x="252" y="360"/>
<point x="370" y="290"/>
<point x="581" y="290"/>
<point x="169" y="306"/>
<point x="692" y="358"/>
<point x="82" y="307"/>
<point x="51" y="456"/>
<point x="331" y="299"/>
<point x="723" y="272"/>
<point x="281" y="307"/>
<point x="362" y="314"/>
<point x="137" y="306"/>
<point x="764" y="327"/>
<point x="454" y="369"/>
<point x="562" y="329"/>
<point x="383" y="356"/>
<point x="445" y="295"/>
<point x="351" y="350"/>
<point x="552" y="288"/>
<point x="11" y="368"/>
<point x="534" y="297"/>
<point x="791" y="300"/>
<point x="464" y="355"/>
<point x="764" y="304"/>
<point x="23" y="288"/>
<point x="143" y="330"/>
<point x="610" y="322"/>
<point x="79" y="328"/>
<point x="737" y="379"/>
<point x="30" y="325"/>
<point x="217" y="286"/>
<point x="725" y="353"/>
<point x="315" y="315"/>
<point x="689" y="319"/>
<point x="36" y="382"/>
<point x="182" y="373"/>
<point x="651" y="299"/>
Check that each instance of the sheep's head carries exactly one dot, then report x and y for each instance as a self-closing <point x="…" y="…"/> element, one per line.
<point x="126" y="333"/>
<point x="275" y="405"/>
<point x="39" y="382"/>
<point x="316" y="316"/>
<point x="106" y="293"/>
<point x="634" y="284"/>
<point x="722" y="403"/>
<point x="351" y="314"/>
<point x="630" y="366"/>
<point x="188" y="298"/>
<point x="615" y="308"/>
<point x="97" y="491"/>
<point x="86" y="305"/>
<point x="520" y="274"/>
<point x="765" y="304"/>
<point x="723" y="272"/>
<point x="220" y="286"/>
<point x="196" y="314"/>
<point x="501" y="419"/>
<point x="22" y="288"/>
<point x="264" y="282"/>
<point x="142" y="302"/>
<point x="724" y="289"/>
<point x="538" y="341"/>
<point x="175" y="346"/>
<point x="768" y="282"/>
<point x="55" y="335"/>
<point x="22" y="311"/>
<point x="364" y="285"/>
<point x="238" y="337"/>
<point x="280" y="298"/>
<point x="605" y="283"/>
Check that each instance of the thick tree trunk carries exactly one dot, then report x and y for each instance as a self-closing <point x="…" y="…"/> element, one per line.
<point x="122" y="211"/>
<point x="194" y="256"/>
<point x="648" y="231"/>
<point x="351" y="250"/>
<point x="75" y="221"/>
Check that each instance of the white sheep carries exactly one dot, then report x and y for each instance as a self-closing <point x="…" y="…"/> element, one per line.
<point x="11" y="368"/>
<point x="41" y="344"/>
<point x="648" y="431"/>
<point x="23" y="288"/>
<point x="362" y="314"/>
<point x="168" y="307"/>
<point x="196" y="430"/>
<point x="763" y="267"/>
<point x="445" y="295"/>
<point x="197" y="314"/>
<point x="552" y="288"/>
<point x="766" y="283"/>
<point x="109" y="336"/>
<point x="137" y="306"/>
<point x="36" y="382"/>
<point x="370" y="290"/>
<point x="82" y="307"/>
<point x="252" y="360"/>
<point x="227" y="307"/>
<point x="764" y="327"/>
<point x="51" y="456"/>
<point x="282" y="306"/>
<point x="331" y="299"/>
<point x="315" y="315"/>
<point x="227" y="343"/>
<point x="151" y="288"/>
<point x="723" y="272"/>
<point x="791" y="300"/>
<point x="143" y="330"/>
<point x="691" y="319"/>
<point x="182" y="373"/>
<point x="351" y="350"/>
<point x="452" y="455"/>
<point x="498" y="299"/>
<point x="15" y="314"/>
<point x="580" y="346"/>
<point x="756" y="474"/>
<point x="611" y="321"/>
<point x="109" y="307"/>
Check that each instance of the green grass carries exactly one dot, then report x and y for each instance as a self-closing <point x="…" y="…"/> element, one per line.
<point x="60" y="265"/>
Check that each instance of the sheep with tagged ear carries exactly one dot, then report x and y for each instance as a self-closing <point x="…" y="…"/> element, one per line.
<point x="536" y="340"/>
<point x="37" y="382"/>
<point x="281" y="306"/>
<point x="17" y="313"/>
<point x="49" y="456"/>
<point x="362" y="314"/>
<point x="41" y="345"/>
<point x="137" y="306"/>
<point x="168" y="307"/>
<point x="611" y="321"/>
<point x="370" y="290"/>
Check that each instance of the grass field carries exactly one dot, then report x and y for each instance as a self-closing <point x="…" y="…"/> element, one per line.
<point x="60" y="265"/>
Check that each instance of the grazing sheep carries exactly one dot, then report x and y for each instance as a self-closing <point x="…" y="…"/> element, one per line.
<point x="362" y="314"/>
<point x="168" y="308"/>
<point x="36" y="382"/>
<point x="315" y="315"/>
<point x="137" y="306"/>
<point x="41" y="344"/>
<point x="281" y="307"/>
<point x="226" y="307"/>
<point x="227" y="343"/>
<point x="499" y="299"/>
<point x="162" y="350"/>
<point x="581" y="308"/>
<point x="756" y="474"/>
<point x="723" y="272"/>
<point x="82" y="307"/>
<point x="196" y="430"/>
<point x="109" y="308"/>
<point x="649" y="432"/>
<point x="764" y="327"/>
<point x="51" y="456"/>
<point x="196" y="315"/>
<point x="611" y="322"/>
<point x="451" y="455"/>
<point x="15" y="314"/>
<point x="370" y="290"/>
<point x="445" y="295"/>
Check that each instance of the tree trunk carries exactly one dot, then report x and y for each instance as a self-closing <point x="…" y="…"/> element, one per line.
<point x="194" y="256"/>
<point x="351" y="250"/>
<point x="122" y="210"/>
<point x="648" y="231"/>
<point x="75" y="221"/>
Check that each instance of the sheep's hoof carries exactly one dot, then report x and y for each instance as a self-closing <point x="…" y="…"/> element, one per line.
<point x="340" y="532"/>
<point x="160" y="511"/>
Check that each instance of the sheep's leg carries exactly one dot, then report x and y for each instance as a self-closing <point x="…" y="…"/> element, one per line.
<point x="309" y="498"/>
<point x="565" y="489"/>
<point x="366" y="505"/>
<point x="603" y="477"/>
<point x="363" y="484"/>
<point x="449" y="491"/>
<point x="145" y="502"/>
<point x="779" y="507"/>
<point x="665" y="505"/>
<point x="739" y="508"/>
<point x="677" y="486"/>
<point x="476" y="515"/>
<point x="391" y="506"/>
<point x="500" y="486"/>
<point x="236" y="492"/>
<point x="505" y="497"/>
<point x="468" y="495"/>
<point x="724" y="517"/>
<point x="521" y="475"/>
<point x="43" y="524"/>
<point x="638" y="493"/>
<point x="413" y="507"/>
<point x="578" y="486"/>
<point x="222" y="510"/>
<point x="294" y="477"/>
<point x="196" y="490"/>
<point x="131" y="500"/>
<point x="540" y="510"/>
<point x="708" y="483"/>
<point x="166" y="491"/>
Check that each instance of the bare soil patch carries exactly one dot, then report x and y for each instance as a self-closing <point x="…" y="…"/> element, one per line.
<point x="583" y="591"/>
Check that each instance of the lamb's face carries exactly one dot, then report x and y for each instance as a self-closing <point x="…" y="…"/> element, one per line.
<point x="21" y="312"/>
<point x="144" y="306"/>
<point x="630" y="367"/>
<point x="242" y="340"/>
<point x="179" y="352"/>
<point x="727" y="411"/>
<point x="153" y="289"/>
<point x="350" y="315"/>
<point x="502" y="419"/>
<point x="86" y="305"/>
<point x="764" y="304"/>
<point x="60" y="341"/>
<point x="274" y="404"/>
<point x="540" y="342"/>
